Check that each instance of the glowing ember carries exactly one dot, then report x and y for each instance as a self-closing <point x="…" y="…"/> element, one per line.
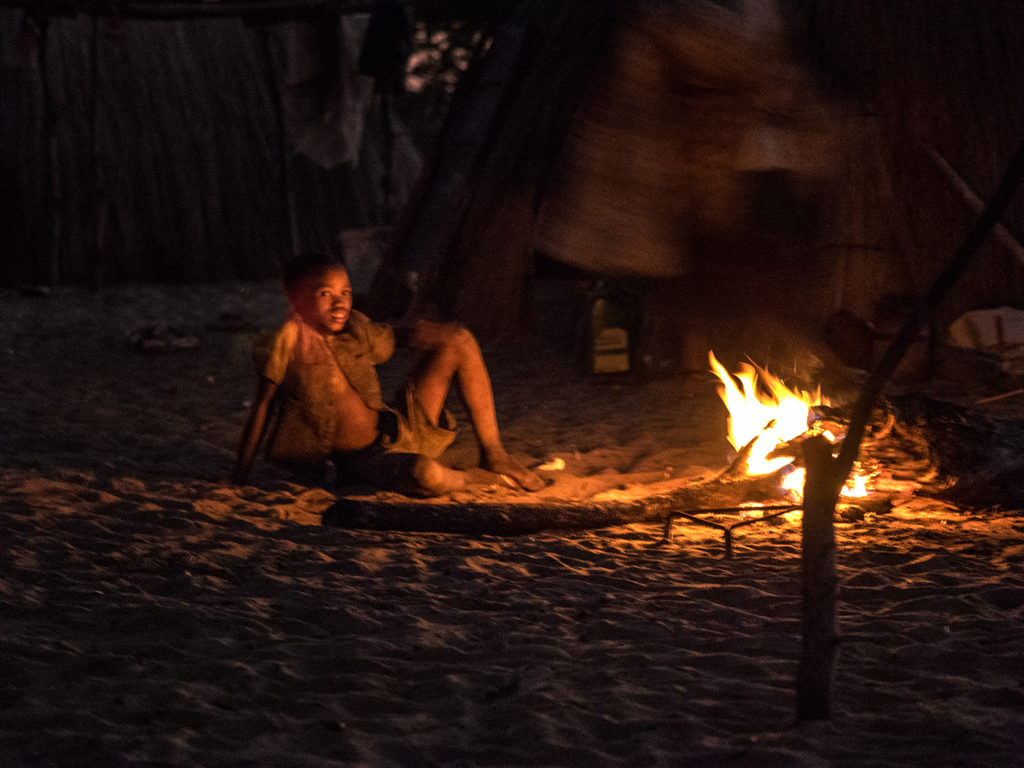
<point x="763" y="410"/>
<point x="856" y="486"/>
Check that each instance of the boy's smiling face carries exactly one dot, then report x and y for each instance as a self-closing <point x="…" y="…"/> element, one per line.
<point x="324" y="300"/>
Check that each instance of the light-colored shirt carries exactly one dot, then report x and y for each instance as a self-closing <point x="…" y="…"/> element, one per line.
<point x="312" y="369"/>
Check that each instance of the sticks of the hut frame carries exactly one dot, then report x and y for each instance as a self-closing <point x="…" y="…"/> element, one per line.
<point x="283" y="157"/>
<point x="1003" y="396"/>
<point x="196" y="9"/>
<point x="1000" y="232"/>
<point x="41" y="11"/>
<point x="49" y="163"/>
<point x="100" y="203"/>
<point x="826" y="475"/>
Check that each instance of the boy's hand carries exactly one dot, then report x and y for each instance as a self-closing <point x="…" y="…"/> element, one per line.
<point x="425" y="334"/>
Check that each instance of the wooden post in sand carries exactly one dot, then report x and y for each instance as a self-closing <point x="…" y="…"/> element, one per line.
<point x="820" y="584"/>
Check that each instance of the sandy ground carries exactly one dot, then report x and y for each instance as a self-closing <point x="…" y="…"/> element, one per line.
<point x="153" y="615"/>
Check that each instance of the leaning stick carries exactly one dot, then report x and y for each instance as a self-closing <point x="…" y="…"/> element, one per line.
<point x="1003" y="396"/>
<point x="923" y="313"/>
<point x="826" y="476"/>
<point x="1000" y="232"/>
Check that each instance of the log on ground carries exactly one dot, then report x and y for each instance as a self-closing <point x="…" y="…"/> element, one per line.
<point x="530" y="514"/>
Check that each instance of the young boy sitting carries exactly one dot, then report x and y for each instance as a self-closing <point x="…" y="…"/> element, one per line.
<point x="318" y="372"/>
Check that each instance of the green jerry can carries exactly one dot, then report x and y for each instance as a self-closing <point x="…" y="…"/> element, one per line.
<point x="610" y="324"/>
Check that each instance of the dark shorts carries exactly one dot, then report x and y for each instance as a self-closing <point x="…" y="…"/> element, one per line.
<point x="404" y="432"/>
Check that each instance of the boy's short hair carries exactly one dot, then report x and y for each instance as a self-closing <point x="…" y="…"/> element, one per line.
<point x="309" y="263"/>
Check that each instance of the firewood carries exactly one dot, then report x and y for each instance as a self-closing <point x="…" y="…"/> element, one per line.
<point x="975" y="461"/>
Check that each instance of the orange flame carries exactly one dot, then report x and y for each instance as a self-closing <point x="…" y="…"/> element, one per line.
<point x="772" y="413"/>
<point x="763" y="410"/>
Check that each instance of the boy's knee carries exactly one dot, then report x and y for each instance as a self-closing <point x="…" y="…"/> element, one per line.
<point x="435" y="479"/>
<point x="459" y="340"/>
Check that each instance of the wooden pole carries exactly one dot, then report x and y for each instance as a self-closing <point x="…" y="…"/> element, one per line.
<point x="98" y="208"/>
<point x="820" y="584"/>
<point x="52" y="214"/>
<point x="284" y="156"/>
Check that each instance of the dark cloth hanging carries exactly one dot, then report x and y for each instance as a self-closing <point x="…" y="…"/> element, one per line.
<point x="387" y="46"/>
<point x="23" y="163"/>
<point x="326" y="99"/>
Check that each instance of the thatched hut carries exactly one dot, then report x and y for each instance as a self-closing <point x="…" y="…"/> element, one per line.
<point x="799" y="158"/>
<point x="717" y="158"/>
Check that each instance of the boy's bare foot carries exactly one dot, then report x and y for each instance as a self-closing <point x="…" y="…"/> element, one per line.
<point x="502" y="464"/>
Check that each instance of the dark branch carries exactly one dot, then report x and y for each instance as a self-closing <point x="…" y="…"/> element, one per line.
<point x="923" y="312"/>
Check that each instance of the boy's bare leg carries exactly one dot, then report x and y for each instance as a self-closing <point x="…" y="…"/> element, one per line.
<point x="435" y="479"/>
<point x="457" y="356"/>
<point x="412" y="473"/>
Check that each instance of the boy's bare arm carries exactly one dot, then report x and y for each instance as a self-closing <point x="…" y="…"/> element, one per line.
<point x="255" y="428"/>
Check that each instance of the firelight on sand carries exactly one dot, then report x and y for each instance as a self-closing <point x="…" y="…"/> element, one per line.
<point x="764" y="410"/>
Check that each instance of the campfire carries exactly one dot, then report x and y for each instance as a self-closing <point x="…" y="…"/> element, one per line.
<point x="767" y="419"/>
